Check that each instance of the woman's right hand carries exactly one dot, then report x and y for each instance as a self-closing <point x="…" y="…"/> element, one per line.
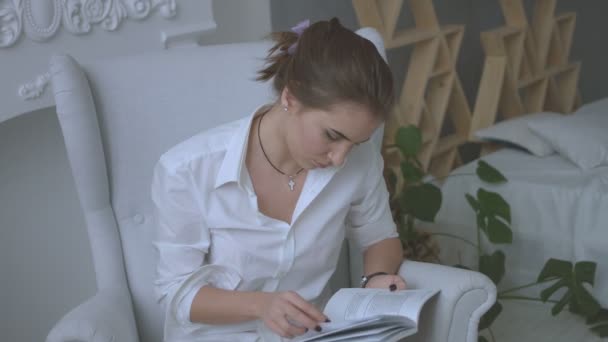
<point x="290" y="315"/>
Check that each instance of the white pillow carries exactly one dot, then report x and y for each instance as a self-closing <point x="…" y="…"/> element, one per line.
<point x="595" y="106"/>
<point x="516" y="132"/>
<point x="581" y="137"/>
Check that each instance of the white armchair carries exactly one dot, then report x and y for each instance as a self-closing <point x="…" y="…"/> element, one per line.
<point x="118" y="116"/>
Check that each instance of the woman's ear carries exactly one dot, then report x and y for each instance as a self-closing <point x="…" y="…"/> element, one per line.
<point x="288" y="101"/>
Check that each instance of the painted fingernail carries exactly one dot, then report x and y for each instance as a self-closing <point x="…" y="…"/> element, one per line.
<point x="327" y="320"/>
<point x="393" y="287"/>
<point x="318" y="328"/>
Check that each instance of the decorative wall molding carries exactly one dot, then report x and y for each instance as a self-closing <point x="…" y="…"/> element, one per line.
<point x="185" y="35"/>
<point x="34" y="89"/>
<point x="41" y="19"/>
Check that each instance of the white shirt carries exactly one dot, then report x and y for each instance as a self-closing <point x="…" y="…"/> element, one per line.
<point x="210" y="231"/>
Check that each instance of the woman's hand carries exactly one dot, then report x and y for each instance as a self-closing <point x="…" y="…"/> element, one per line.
<point x="289" y="315"/>
<point x="390" y="281"/>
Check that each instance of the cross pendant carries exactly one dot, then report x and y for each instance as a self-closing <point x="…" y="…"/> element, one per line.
<point x="291" y="183"/>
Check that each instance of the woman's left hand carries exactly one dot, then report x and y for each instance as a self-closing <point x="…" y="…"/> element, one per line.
<point x="390" y="281"/>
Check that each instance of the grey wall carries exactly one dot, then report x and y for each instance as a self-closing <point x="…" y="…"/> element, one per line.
<point x="45" y="261"/>
<point x="477" y="16"/>
<point x="590" y="46"/>
<point x="42" y="239"/>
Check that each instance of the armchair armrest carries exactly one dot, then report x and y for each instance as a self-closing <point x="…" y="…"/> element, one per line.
<point x="105" y="317"/>
<point x="454" y="315"/>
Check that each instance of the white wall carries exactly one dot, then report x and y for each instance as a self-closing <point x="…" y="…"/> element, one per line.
<point x="45" y="262"/>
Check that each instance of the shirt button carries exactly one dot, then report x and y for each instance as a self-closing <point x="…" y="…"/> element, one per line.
<point x="138" y="218"/>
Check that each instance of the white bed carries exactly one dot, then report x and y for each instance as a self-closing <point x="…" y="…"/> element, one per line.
<point x="557" y="209"/>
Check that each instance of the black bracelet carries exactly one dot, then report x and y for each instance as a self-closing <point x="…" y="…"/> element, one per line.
<point x="366" y="279"/>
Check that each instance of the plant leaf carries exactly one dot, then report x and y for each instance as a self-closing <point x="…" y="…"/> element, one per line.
<point x="585" y="303"/>
<point x="493" y="266"/>
<point x="555" y="268"/>
<point x="601" y="330"/>
<point x="575" y="309"/>
<point x="472" y="202"/>
<point x="391" y="179"/>
<point x="489" y="174"/>
<point x="411" y="173"/>
<point x="600" y="323"/>
<point x="557" y="308"/>
<point x="573" y="277"/>
<point x="493" y="204"/>
<point x="488" y="318"/>
<point x="549" y="291"/>
<point x="584" y="272"/>
<point x="482" y="222"/>
<point x="498" y="232"/>
<point x="601" y="316"/>
<point x="423" y="201"/>
<point x="409" y="140"/>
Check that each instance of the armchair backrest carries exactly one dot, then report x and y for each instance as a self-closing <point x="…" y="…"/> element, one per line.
<point x="118" y="116"/>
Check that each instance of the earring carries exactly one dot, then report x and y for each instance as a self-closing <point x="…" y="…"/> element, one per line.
<point x="285" y="108"/>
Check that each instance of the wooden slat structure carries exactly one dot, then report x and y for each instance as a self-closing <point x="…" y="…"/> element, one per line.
<point x="432" y="93"/>
<point x="526" y="70"/>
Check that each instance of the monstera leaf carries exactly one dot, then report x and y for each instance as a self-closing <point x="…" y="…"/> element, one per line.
<point x="409" y="140"/>
<point x="493" y="215"/>
<point x="599" y="323"/>
<point x="488" y="318"/>
<point x="489" y="174"/>
<point x="572" y="278"/>
<point x="422" y="201"/>
<point x="493" y="266"/>
<point x="411" y="172"/>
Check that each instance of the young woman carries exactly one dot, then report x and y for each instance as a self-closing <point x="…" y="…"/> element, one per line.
<point x="252" y="214"/>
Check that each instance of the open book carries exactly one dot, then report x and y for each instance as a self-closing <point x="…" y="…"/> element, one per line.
<point x="370" y="315"/>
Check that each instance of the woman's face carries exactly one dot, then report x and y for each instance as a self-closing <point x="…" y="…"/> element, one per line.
<point x="320" y="138"/>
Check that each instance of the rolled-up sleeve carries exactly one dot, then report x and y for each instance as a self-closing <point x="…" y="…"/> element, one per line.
<point x="370" y="219"/>
<point x="182" y="242"/>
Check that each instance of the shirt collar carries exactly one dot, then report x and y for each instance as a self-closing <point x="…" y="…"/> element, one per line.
<point x="231" y="169"/>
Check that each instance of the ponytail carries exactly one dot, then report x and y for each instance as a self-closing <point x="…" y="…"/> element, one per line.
<point x="327" y="64"/>
<point x="278" y="59"/>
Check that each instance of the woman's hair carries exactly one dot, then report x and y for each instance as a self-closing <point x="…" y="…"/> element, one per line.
<point x="330" y="64"/>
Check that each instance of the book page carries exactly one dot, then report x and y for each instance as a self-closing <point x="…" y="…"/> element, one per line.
<point x="347" y="330"/>
<point x="382" y="333"/>
<point x="370" y="315"/>
<point x="355" y="304"/>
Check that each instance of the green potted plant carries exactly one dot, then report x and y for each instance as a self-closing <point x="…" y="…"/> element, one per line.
<point x="414" y="197"/>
